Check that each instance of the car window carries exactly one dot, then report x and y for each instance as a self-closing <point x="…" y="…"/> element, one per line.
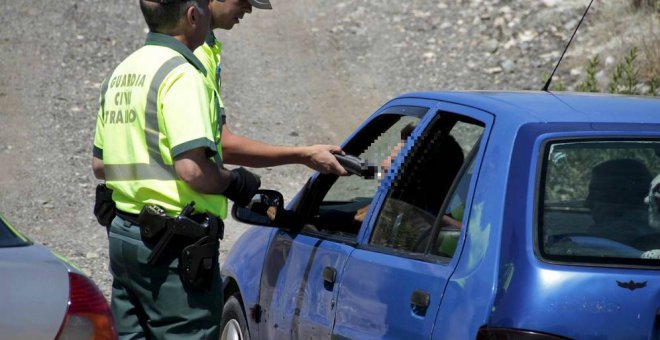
<point x="10" y="237"/>
<point x="383" y="149"/>
<point x="436" y="174"/>
<point x="599" y="202"/>
<point x="344" y="205"/>
<point x="452" y="219"/>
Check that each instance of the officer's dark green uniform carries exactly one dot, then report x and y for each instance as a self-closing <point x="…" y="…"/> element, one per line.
<point x="156" y="105"/>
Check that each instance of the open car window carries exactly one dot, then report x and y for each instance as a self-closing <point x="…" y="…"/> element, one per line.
<point x="344" y="201"/>
<point x="599" y="202"/>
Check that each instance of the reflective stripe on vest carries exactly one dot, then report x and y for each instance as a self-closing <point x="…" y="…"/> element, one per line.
<point x="156" y="168"/>
<point x="104" y="90"/>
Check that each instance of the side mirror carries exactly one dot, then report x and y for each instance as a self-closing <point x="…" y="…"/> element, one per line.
<point x="261" y="210"/>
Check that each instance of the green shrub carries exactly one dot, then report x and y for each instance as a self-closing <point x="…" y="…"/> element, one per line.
<point x="590" y="84"/>
<point x="625" y="78"/>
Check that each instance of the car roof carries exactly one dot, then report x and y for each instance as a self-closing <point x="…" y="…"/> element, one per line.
<point x="552" y="107"/>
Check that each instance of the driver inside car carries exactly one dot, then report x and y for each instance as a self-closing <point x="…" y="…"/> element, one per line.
<point x="617" y="191"/>
<point x="436" y="179"/>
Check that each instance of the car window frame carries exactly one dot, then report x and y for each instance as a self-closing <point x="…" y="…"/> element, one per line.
<point x="318" y="186"/>
<point x="544" y="142"/>
<point x="426" y="255"/>
<point x="482" y="118"/>
<point x="21" y="240"/>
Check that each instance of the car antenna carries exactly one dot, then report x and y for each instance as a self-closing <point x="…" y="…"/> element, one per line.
<point x="547" y="83"/>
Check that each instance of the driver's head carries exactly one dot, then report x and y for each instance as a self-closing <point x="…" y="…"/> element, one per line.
<point x="617" y="186"/>
<point x="227" y="13"/>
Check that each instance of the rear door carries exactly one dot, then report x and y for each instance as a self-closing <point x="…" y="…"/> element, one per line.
<point x="599" y="227"/>
<point x="393" y="283"/>
<point x="299" y="283"/>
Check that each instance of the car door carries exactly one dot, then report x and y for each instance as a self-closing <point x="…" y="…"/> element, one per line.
<point x="392" y="283"/>
<point x="298" y="290"/>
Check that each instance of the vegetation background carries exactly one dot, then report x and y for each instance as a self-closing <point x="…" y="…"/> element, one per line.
<point x="618" y="53"/>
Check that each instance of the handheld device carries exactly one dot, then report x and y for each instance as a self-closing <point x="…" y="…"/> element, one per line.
<point x="357" y="166"/>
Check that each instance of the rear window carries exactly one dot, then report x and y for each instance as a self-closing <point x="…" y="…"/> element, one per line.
<point x="10" y="237"/>
<point x="600" y="202"/>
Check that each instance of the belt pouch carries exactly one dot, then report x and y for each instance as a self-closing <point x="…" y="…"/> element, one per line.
<point x="153" y="222"/>
<point x="104" y="207"/>
<point x="197" y="263"/>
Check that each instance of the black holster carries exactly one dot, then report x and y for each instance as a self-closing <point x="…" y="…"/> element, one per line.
<point x="153" y="222"/>
<point x="199" y="260"/>
<point x="104" y="207"/>
<point x="200" y="236"/>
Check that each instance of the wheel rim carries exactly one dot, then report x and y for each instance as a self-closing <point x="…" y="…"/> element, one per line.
<point x="232" y="331"/>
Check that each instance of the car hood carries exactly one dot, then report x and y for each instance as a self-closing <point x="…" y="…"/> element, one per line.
<point x="34" y="290"/>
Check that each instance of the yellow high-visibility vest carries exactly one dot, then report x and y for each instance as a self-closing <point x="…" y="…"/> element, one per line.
<point x="156" y="105"/>
<point x="209" y="54"/>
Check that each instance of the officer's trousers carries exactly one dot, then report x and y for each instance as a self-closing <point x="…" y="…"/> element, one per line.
<point x="150" y="301"/>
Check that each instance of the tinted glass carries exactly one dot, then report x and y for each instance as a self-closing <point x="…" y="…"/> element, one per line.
<point x="600" y="202"/>
<point x="9" y="237"/>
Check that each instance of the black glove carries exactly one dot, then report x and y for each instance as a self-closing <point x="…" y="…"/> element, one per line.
<point x="242" y="186"/>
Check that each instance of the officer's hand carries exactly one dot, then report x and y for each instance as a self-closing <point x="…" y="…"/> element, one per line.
<point x="321" y="159"/>
<point x="242" y="187"/>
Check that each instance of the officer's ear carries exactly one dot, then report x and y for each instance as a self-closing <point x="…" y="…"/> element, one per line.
<point x="193" y="15"/>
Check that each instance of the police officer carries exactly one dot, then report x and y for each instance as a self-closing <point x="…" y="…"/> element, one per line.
<point x="157" y="143"/>
<point x="238" y="149"/>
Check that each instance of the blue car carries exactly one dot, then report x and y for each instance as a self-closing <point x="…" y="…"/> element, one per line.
<point x="470" y="215"/>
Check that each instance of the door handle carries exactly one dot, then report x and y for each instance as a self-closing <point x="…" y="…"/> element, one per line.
<point x="419" y="302"/>
<point x="329" y="278"/>
<point x="329" y="275"/>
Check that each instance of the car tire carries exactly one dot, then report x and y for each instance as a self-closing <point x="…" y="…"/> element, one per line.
<point x="234" y="324"/>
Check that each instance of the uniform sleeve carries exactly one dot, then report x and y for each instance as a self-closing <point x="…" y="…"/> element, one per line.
<point x="186" y="114"/>
<point x="210" y="58"/>
<point x="97" y="150"/>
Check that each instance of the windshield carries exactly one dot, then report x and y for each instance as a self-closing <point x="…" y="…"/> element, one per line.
<point x="10" y="237"/>
<point x="600" y="202"/>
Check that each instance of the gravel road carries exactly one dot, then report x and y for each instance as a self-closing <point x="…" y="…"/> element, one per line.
<point x="307" y="72"/>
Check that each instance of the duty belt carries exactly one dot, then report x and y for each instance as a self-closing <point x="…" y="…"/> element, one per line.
<point x="201" y="233"/>
<point x="157" y="227"/>
<point x="133" y="218"/>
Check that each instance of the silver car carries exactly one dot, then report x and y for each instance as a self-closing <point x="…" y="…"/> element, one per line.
<point x="44" y="296"/>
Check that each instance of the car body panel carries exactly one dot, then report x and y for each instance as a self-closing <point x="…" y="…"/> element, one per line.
<point x="497" y="278"/>
<point x="34" y="290"/>
<point x="376" y="292"/>
<point x="243" y="267"/>
<point x="556" y="291"/>
<point x="297" y="301"/>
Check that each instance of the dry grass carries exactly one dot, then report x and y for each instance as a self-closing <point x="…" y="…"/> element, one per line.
<point x="612" y="29"/>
